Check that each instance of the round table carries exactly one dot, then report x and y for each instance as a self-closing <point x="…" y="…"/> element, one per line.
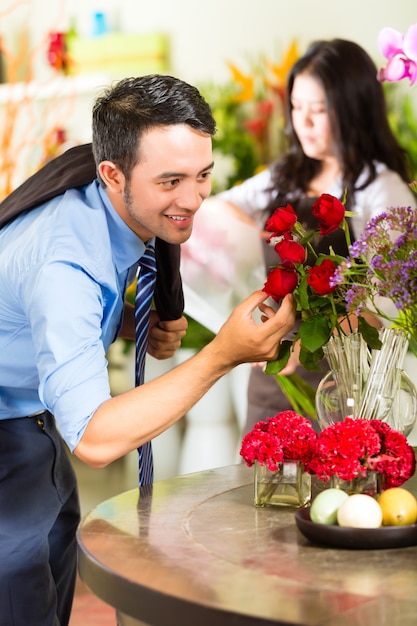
<point x="195" y="550"/>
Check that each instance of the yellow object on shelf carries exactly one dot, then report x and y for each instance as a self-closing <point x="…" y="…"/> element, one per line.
<point x="119" y="54"/>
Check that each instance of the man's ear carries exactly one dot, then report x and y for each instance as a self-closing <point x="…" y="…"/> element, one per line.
<point x="112" y="176"/>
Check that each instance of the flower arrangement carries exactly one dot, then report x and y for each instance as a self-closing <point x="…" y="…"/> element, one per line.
<point x="348" y="449"/>
<point x="351" y="448"/>
<point x="286" y="436"/>
<point x="381" y="264"/>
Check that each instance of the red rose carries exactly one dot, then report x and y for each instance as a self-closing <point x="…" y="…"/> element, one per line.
<point x="282" y="220"/>
<point x="280" y="282"/>
<point x="329" y="212"/>
<point x="290" y="250"/>
<point x="319" y="277"/>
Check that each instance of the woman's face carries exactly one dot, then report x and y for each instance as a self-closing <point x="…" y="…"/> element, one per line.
<point x="311" y="119"/>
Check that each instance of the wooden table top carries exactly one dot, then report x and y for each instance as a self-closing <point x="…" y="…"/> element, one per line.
<point x="197" y="552"/>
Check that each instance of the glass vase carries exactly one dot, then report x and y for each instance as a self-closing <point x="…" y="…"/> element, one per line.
<point x="371" y="484"/>
<point x="367" y="384"/>
<point x="287" y="486"/>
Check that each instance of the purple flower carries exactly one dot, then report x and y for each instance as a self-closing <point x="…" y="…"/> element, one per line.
<point x="386" y="251"/>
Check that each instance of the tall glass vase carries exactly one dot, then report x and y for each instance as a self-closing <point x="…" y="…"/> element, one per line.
<point x="367" y="384"/>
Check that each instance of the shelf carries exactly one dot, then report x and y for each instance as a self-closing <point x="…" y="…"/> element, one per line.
<point x="57" y="87"/>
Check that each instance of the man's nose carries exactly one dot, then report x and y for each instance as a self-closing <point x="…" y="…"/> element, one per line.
<point x="191" y="197"/>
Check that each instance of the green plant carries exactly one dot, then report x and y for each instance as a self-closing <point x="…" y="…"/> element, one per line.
<point x="402" y="117"/>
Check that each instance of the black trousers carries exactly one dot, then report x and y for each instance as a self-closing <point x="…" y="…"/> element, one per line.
<point x="39" y="515"/>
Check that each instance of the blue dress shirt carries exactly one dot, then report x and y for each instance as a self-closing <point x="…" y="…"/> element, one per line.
<point x="64" y="268"/>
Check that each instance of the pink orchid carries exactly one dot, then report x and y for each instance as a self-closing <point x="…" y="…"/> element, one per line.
<point x="401" y="52"/>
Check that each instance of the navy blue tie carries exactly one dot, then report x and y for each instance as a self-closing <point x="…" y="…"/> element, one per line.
<point x="144" y="293"/>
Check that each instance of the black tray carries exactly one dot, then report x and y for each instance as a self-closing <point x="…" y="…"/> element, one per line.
<point x="355" y="538"/>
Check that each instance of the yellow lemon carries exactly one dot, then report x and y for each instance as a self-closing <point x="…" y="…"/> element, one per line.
<point x="399" y="507"/>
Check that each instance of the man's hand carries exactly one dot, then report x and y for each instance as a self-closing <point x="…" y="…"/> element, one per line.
<point x="164" y="338"/>
<point x="241" y="340"/>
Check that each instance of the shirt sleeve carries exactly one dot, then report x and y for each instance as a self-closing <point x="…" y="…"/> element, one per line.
<point x="252" y="196"/>
<point x="65" y="307"/>
<point x="386" y="191"/>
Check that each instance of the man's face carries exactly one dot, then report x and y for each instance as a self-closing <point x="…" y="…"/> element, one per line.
<point x="169" y="183"/>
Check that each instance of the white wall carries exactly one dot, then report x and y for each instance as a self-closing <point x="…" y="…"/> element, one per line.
<point x="206" y="35"/>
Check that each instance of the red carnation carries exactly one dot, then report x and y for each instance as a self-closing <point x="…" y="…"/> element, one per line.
<point x="285" y="436"/>
<point x="350" y="448"/>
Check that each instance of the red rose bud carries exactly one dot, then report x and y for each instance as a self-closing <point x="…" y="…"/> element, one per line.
<point x="255" y="127"/>
<point x="265" y="107"/>
<point x="319" y="277"/>
<point x="280" y="282"/>
<point x="290" y="250"/>
<point x="282" y="220"/>
<point x="329" y="212"/>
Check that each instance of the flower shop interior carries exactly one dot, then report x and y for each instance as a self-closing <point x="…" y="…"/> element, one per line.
<point x="56" y="58"/>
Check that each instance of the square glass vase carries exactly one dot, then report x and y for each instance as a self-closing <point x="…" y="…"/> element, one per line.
<point x="371" y="484"/>
<point x="288" y="486"/>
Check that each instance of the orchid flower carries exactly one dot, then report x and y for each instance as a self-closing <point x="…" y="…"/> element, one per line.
<point x="401" y="52"/>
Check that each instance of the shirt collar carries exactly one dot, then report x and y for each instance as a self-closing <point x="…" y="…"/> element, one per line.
<point x="127" y="247"/>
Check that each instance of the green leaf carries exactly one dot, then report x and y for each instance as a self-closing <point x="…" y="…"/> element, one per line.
<point x="369" y="333"/>
<point x="274" y="367"/>
<point x="299" y="393"/>
<point x="314" y="332"/>
<point x="302" y="292"/>
<point x="197" y="335"/>
<point x="311" y="360"/>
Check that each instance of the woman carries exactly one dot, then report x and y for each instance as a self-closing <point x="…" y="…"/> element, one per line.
<point x="339" y="139"/>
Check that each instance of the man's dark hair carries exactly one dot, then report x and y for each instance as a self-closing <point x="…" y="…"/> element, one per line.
<point x="135" y="105"/>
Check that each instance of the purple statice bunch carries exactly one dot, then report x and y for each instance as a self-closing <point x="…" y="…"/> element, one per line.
<point x="382" y="264"/>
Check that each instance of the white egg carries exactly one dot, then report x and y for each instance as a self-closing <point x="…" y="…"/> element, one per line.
<point x="359" y="511"/>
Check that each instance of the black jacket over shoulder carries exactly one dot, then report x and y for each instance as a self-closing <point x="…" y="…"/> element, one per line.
<point x="76" y="168"/>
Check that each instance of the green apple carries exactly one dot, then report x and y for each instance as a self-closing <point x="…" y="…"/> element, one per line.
<point x="325" y="505"/>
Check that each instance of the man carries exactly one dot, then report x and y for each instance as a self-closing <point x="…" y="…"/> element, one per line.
<point x="64" y="269"/>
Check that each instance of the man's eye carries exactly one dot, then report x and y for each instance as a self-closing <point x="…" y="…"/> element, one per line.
<point x="170" y="183"/>
<point x="205" y="175"/>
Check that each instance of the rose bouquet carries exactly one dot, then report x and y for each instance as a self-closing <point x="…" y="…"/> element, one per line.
<point x="320" y="301"/>
<point x="351" y="448"/>
<point x="381" y="266"/>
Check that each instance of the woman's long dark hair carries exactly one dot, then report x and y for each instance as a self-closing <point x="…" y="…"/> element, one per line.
<point x="358" y="118"/>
